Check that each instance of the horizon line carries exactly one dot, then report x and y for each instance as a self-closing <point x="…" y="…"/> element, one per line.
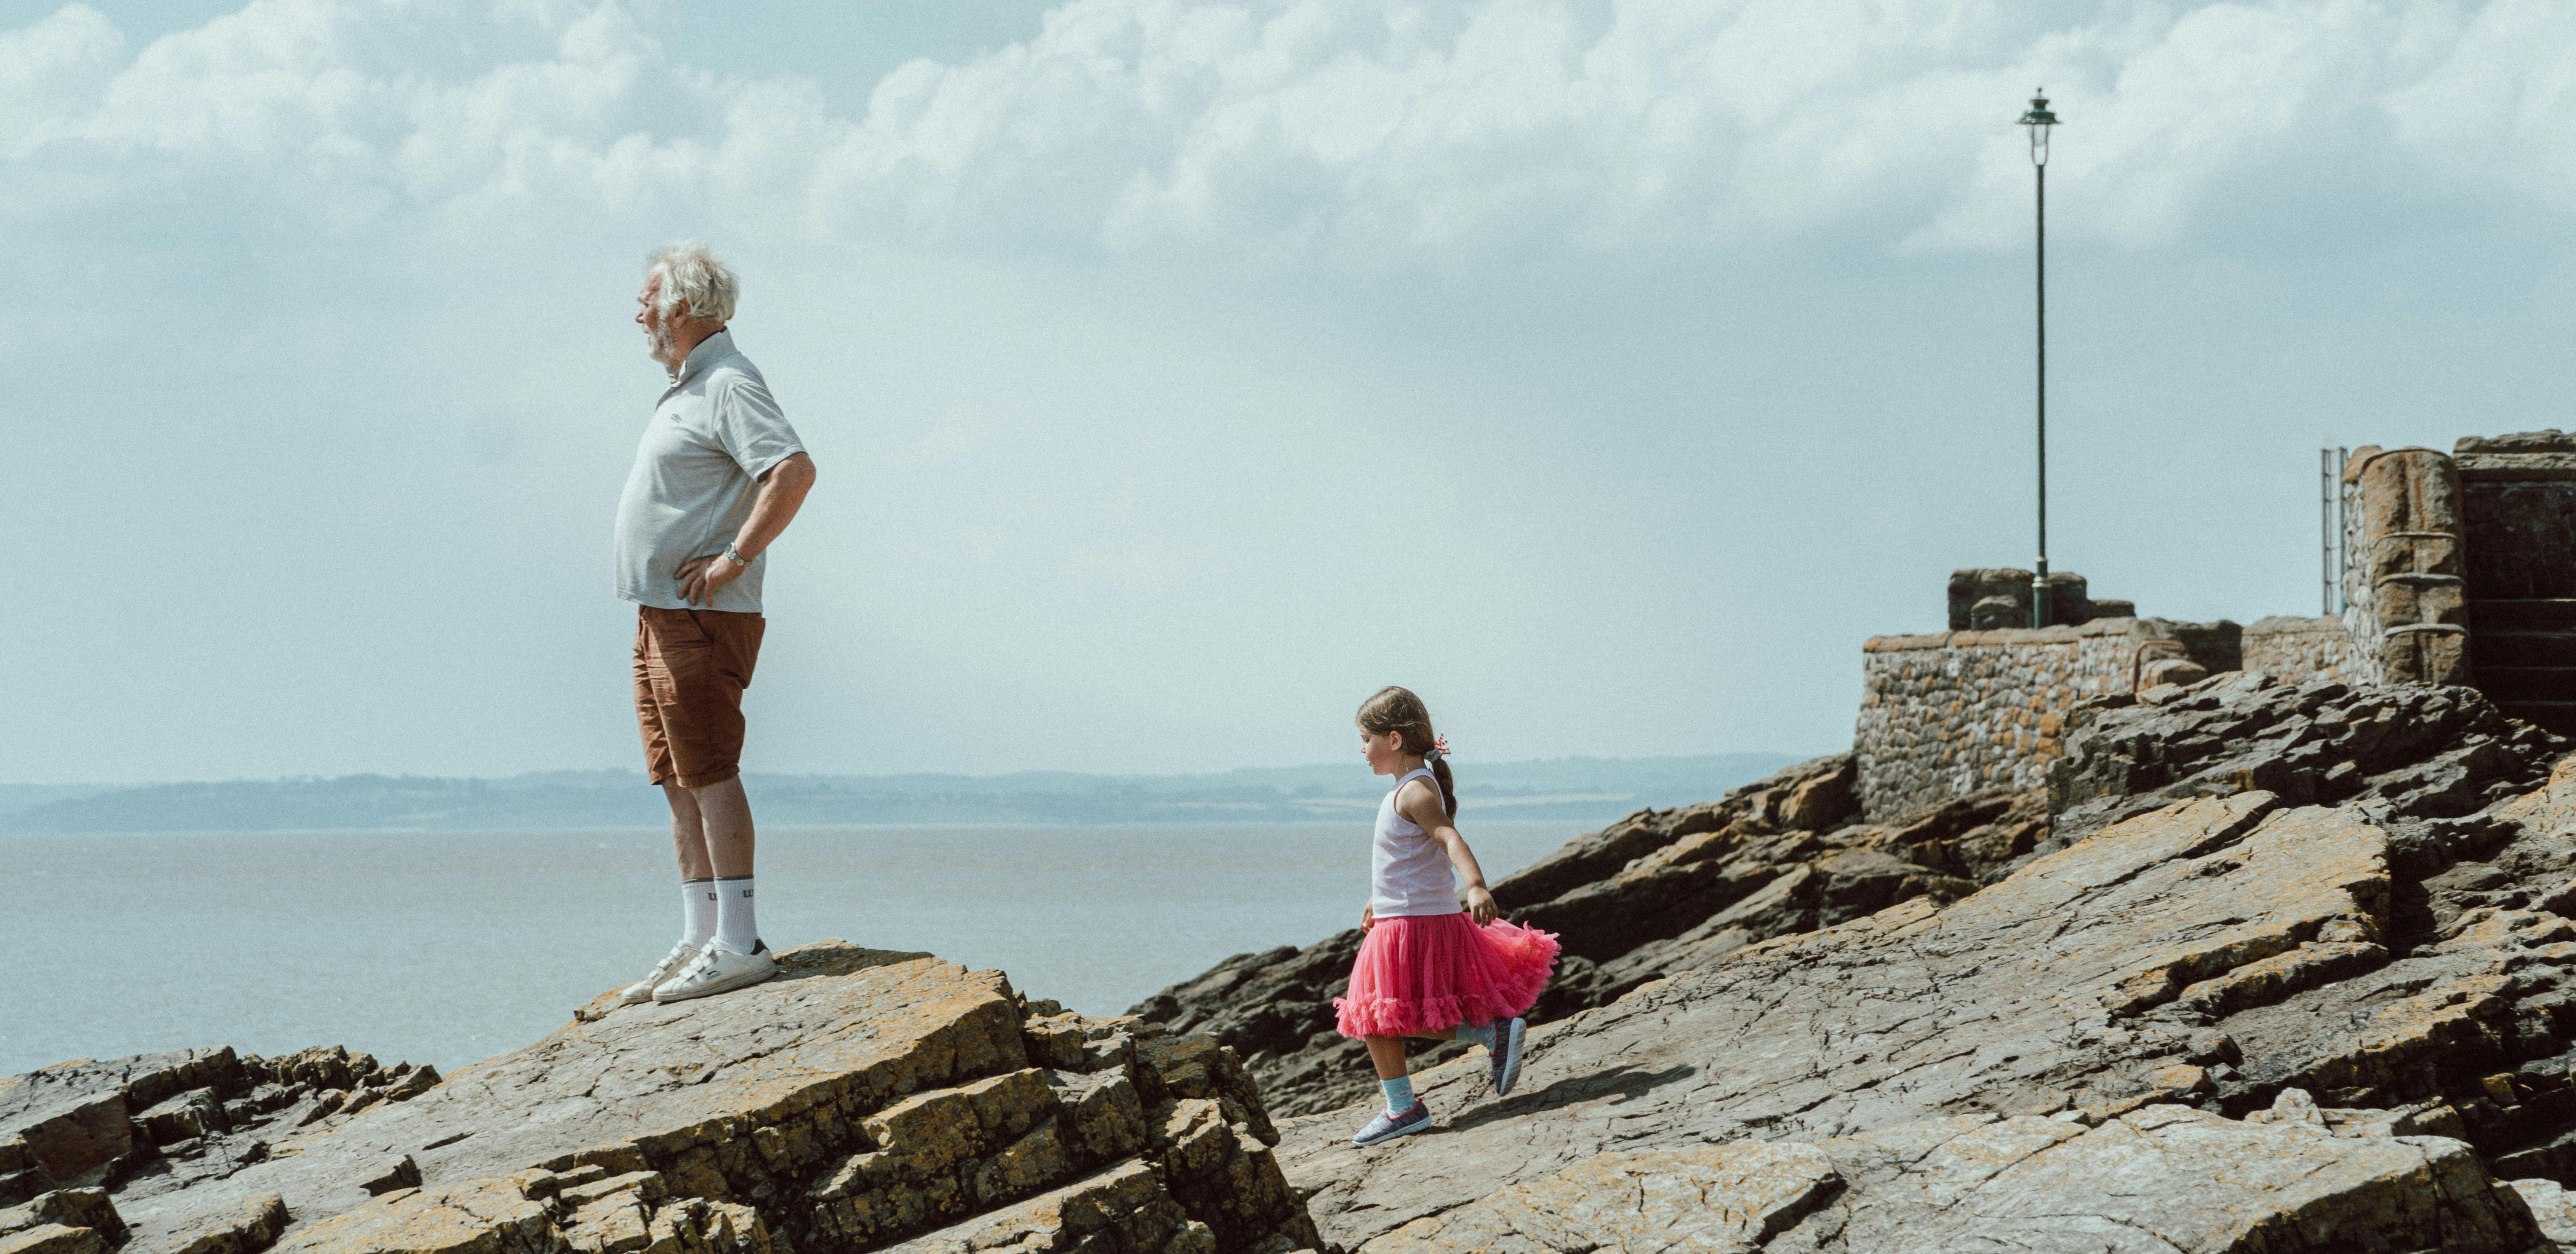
<point x="611" y="770"/>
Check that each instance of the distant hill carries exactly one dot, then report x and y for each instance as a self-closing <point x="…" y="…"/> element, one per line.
<point x="16" y="797"/>
<point x="1576" y="789"/>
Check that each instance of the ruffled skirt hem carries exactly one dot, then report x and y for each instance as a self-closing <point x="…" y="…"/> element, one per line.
<point x="1424" y="974"/>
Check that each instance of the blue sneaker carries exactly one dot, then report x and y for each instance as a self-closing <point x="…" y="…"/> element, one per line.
<point x="1506" y="1055"/>
<point x="1387" y="1127"/>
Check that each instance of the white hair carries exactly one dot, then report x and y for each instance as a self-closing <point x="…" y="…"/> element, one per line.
<point x="691" y="273"/>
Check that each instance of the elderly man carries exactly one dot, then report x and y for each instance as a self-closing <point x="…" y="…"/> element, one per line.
<point x="718" y="477"/>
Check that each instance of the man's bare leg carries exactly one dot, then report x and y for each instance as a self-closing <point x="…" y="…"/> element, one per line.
<point x="688" y="834"/>
<point x="698" y="894"/>
<point x="722" y="814"/>
<point x="712" y="834"/>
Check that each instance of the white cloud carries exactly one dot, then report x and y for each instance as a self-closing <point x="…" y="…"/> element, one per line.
<point x="2499" y="104"/>
<point x="1380" y="132"/>
<point x="52" y="73"/>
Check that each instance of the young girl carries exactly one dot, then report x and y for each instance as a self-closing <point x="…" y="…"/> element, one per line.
<point x="1423" y="969"/>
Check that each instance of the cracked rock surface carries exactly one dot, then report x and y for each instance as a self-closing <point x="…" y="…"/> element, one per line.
<point x="2333" y="1015"/>
<point x="2159" y="1178"/>
<point x="863" y="1100"/>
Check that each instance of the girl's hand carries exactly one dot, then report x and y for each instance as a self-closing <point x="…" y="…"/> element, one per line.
<point x="1368" y="916"/>
<point x="1480" y="905"/>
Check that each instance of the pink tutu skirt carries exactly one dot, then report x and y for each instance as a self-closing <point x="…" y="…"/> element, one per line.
<point x="1426" y="973"/>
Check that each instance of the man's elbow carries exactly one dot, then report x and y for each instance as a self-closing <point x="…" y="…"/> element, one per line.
<point x="796" y="472"/>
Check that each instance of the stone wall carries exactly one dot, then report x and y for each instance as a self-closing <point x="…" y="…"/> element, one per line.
<point x="1947" y="714"/>
<point x="2296" y="650"/>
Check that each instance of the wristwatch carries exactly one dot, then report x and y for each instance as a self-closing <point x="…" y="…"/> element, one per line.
<point x="735" y="556"/>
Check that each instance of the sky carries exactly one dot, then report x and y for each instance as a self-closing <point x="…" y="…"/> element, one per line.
<point x="1178" y="373"/>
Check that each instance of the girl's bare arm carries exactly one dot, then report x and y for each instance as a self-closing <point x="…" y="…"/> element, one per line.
<point x="1420" y="805"/>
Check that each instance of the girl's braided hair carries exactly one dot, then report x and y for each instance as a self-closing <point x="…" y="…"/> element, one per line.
<point x="1396" y="709"/>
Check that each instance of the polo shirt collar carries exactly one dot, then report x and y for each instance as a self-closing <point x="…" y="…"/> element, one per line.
<point x="708" y="350"/>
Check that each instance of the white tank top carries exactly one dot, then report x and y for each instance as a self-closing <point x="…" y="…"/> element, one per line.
<point x="1409" y="874"/>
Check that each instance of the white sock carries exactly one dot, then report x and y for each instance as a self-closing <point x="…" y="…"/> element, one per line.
<point x="1481" y="1034"/>
<point x="735" y="928"/>
<point x="697" y="912"/>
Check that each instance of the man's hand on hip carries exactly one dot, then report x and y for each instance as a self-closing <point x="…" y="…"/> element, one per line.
<point x="701" y="576"/>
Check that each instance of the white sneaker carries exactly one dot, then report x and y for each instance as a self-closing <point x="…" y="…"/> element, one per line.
<point x="641" y="991"/>
<point x="717" y="969"/>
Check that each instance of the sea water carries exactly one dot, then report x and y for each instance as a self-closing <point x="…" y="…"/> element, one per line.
<point x="447" y="947"/>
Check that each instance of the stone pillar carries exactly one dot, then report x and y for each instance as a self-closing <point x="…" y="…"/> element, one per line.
<point x="1989" y="599"/>
<point x="2403" y="573"/>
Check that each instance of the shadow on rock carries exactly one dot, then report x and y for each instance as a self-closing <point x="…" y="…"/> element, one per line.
<point x="1610" y="1087"/>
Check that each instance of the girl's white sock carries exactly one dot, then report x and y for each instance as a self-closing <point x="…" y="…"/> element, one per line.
<point x="1399" y="1094"/>
<point x="697" y="912"/>
<point x="1481" y="1034"/>
<point x="735" y="928"/>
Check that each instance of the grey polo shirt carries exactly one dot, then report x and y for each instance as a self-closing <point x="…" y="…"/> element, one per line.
<point x="714" y="434"/>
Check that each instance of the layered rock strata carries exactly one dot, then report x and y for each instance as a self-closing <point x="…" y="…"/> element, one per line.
<point x="2234" y="1019"/>
<point x="863" y="1100"/>
<point x="169" y="1120"/>
<point x="2408" y="753"/>
<point x="1659" y="892"/>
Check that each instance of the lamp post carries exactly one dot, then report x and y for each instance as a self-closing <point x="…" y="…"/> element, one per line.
<point x="2039" y="119"/>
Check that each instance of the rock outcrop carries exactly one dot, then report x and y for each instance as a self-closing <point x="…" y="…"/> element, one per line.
<point x="2334" y="1013"/>
<point x="863" y="1100"/>
<point x="1659" y="892"/>
<point x="2407" y="752"/>
<point x="187" y="1115"/>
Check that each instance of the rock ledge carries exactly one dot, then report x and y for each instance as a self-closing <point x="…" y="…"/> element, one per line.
<point x="863" y="1100"/>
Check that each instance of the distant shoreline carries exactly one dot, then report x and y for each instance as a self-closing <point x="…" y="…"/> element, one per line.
<point x="1469" y="824"/>
<point x="1574" y="790"/>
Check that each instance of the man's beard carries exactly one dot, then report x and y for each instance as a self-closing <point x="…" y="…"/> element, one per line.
<point x="664" y="349"/>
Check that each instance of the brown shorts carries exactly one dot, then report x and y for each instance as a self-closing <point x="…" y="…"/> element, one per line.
<point x="690" y="669"/>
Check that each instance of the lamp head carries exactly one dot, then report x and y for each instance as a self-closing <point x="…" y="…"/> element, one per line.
<point x="2039" y="119"/>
